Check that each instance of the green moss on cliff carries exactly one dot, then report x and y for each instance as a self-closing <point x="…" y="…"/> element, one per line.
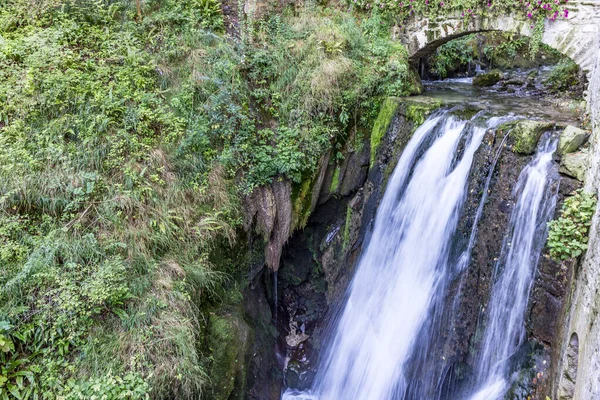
<point x="348" y="221"/>
<point x="301" y="203"/>
<point x="228" y="343"/>
<point x="335" y="181"/>
<point x="382" y="123"/>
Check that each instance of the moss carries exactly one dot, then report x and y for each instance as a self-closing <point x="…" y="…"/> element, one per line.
<point x="301" y="203"/>
<point x="465" y="113"/>
<point x="417" y="111"/>
<point x="335" y="181"/>
<point x="228" y="342"/>
<point x="524" y="135"/>
<point x="382" y="123"/>
<point x="489" y="79"/>
<point x="346" y="236"/>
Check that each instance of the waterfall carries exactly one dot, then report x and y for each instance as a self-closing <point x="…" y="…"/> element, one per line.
<point x="515" y="271"/>
<point x="403" y="270"/>
<point x="429" y="372"/>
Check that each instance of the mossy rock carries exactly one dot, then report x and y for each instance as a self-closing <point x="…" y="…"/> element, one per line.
<point x="383" y="121"/>
<point x="524" y="135"/>
<point x="415" y="86"/>
<point x="301" y="201"/>
<point x="571" y="138"/>
<point x="574" y="165"/>
<point x="465" y="113"/>
<point x="418" y="109"/>
<point x="488" y="79"/>
<point x="228" y="341"/>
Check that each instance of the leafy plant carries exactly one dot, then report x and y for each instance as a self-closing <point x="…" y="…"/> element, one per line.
<point x="16" y="379"/>
<point x="565" y="77"/>
<point x="210" y="14"/>
<point x="453" y="55"/>
<point x="567" y="237"/>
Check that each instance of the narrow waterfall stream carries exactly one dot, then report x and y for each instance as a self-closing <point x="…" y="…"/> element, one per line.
<point x="515" y="270"/>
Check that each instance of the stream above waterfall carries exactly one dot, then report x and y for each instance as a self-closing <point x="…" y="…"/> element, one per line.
<point x="422" y="317"/>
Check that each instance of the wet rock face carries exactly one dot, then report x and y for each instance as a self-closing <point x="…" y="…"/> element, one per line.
<point x="263" y="374"/>
<point x="475" y="288"/>
<point x="229" y="337"/>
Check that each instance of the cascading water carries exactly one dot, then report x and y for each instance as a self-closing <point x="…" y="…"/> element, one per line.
<point x="516" y="270"/>
<point x="428" y="373"/>
<point x="402" y="269"/>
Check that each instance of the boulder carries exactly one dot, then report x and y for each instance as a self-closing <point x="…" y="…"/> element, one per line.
<point x="524" y="135"/>
<point x="574" y="165"/>
<point x="571" y="139"/>
<point x="488" y="79"/>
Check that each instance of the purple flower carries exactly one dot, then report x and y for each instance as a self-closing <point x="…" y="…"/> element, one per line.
<point x="529" y="15"/>
<point x="566" y="13"/>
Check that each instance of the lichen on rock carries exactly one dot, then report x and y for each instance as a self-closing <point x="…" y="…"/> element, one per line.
<point x="571" y="138"/>
<point x="574" y="165"/>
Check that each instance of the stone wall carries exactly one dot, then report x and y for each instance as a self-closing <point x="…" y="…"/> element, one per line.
<point x="579" y="358"/>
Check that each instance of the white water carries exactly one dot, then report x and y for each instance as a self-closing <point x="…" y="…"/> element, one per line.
<point x="401" y="269"/>
<point x="516" y="269"/>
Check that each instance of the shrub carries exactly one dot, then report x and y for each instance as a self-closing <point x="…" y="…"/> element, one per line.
<point x="567" y="237"/>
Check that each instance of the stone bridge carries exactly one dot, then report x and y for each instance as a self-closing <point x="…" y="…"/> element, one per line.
<point x="577" y="36"/>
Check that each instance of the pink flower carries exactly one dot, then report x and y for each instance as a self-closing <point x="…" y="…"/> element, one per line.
<point x="566" y="13"/>
<point x="529" y="15"/>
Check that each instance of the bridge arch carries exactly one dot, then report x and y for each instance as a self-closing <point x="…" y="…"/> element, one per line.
<point x="577" y="37"/>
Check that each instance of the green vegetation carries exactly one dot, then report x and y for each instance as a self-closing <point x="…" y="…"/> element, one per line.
<point x="568" y="235"/>
<point x="454" y="55"/>
<point x="566" y="78"/>
<point x="383" y="121"/>
<point x="128" y="137"/>
<point x="502" y="50"/>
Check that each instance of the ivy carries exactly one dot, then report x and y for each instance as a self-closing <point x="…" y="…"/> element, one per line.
<point x="568" y="235"/>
